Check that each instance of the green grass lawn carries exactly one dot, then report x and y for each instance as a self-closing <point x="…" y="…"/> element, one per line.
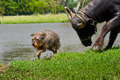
<point x="48" y="18"/>
<point x="88" y="65"/>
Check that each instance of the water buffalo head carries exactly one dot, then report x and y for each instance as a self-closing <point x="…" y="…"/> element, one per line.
<point x="84" y="26"/>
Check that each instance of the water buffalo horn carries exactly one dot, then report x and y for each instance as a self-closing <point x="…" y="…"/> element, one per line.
<point x="69" y="13"/>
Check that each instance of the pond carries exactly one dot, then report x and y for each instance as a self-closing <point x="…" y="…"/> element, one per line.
<point x="15" y="40"/>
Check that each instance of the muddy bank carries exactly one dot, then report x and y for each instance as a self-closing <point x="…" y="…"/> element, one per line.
<point x="2" y="68"/>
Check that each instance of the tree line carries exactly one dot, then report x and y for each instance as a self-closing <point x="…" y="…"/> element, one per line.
<point x="28" y="7"/>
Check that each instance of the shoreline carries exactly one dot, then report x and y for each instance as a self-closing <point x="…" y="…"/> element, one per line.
<point x="67" y="66"/>
<point x="26" y="19"/>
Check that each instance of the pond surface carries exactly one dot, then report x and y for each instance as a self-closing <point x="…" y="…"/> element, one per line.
<point x="15" y="40"/>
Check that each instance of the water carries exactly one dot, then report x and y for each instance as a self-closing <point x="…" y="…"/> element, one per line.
<point x="15" y="40"/>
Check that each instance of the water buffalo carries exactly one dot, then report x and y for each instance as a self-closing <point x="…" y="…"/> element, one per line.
<point x="96" y="11"/>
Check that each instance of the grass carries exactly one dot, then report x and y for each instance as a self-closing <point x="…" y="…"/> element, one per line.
<point x="89" y="65"/>
<point x="48" y="18"/>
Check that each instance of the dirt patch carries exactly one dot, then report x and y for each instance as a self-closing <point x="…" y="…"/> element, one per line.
<point x="2" y="68"/>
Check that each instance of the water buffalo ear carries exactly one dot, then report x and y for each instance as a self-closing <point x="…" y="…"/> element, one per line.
<point x="32" y="34"/>
<point x="75" y="10"/>
<point x="81" y="25"/>
<point x="69" y="13"/>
